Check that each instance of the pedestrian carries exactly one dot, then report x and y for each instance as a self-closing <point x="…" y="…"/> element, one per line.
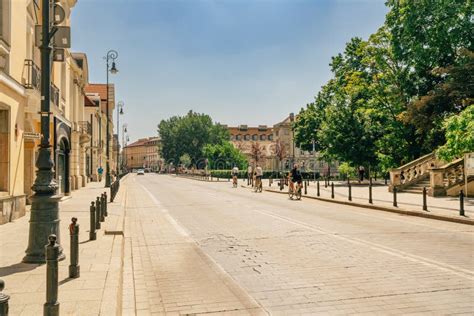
<point x="100" y="171"/>
<point x="249" y="174"/>
<point x="361" y="173"/>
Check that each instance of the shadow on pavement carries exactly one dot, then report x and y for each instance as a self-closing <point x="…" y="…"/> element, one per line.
<point x="17" y="268"/>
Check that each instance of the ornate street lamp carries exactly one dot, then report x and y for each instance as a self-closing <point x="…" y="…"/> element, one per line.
<point x="120" y="105"/>
<point x="44" y="216"/>
<point x="111" y="56"/>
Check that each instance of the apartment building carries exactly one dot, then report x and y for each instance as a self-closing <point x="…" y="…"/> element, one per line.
<point x="20" y="97"/>
<point x="144" y="153"/>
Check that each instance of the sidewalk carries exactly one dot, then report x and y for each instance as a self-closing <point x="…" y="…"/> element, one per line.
<point x="442" y="206"/>
<point x="99" y="286"/>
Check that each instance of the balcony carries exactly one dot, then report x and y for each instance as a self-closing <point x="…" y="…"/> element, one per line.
<point x="33" y="75"/>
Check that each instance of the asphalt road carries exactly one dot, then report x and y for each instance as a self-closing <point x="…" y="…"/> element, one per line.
<point x="235" y="251"/>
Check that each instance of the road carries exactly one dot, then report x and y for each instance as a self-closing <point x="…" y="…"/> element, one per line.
<point x="199" y="247"/>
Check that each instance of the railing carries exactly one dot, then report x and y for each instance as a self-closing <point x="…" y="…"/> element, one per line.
<point x="33" y="75"/>
<point x="54" y="94"/>
<point x="446" y="176"/>
<point x="413" y="171"/>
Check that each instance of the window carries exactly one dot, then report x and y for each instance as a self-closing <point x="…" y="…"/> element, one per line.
<point x="4" y="34"/>
<point x="4" y="149"/>
<point x="270" y="137"/>
<point x="263" y="137"/>
<point x="232" y="137"/>
<point x="254" y="137"/>
<point x="238" y="137"/>
<point x="247" y="137"/>
<point x="287" y="132"/>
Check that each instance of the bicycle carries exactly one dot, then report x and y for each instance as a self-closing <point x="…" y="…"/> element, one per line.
<point x="234" y="181"/>
<point x="292" y="193"/>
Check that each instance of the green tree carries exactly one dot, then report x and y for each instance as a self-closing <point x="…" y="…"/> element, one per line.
<point x="224" y="156"/>
<point x="188" y="135"/>
<point x="459" y="135"/>
<point x="185" y="160"/>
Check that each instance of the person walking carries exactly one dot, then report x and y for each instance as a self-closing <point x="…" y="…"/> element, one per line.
<point x="361" y="173"/>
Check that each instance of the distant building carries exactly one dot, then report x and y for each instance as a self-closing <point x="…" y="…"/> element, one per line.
<point x="277" y="147"/>
<point x="144" y="153"/>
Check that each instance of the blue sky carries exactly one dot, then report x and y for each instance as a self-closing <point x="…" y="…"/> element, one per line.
<point x="240" y="61"/>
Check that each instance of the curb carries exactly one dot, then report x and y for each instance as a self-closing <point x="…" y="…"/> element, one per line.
<point x="460" y="220"/>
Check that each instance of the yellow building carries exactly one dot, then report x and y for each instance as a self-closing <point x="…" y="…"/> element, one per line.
<point x="143" y="154"/>
<point x="20" y="81"/>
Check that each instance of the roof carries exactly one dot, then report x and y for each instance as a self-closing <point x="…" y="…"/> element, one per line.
<point x="142" y="141"/>
<point x="88" y="101"/>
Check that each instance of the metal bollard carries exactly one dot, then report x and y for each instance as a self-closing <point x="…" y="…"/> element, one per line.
<point x="350" y="191"/>
<point x="305" y="188"/>
<point x="74" y="268"/>
<point x="92" y="233"/>
<point x="317" y="188"/>
<point x="102" y="207"/>
<point x="425" y="207"/>
<point x="105" y="204"/>
<point x="3" y="300"/>
<point x="370" y="191"/>
<point x="332" y="190"/>
<point x="461" y="203"/>
<point x="97" y="213"/>
<point x="395" y="197"/>
<point x="51" y="307"/>
<point x="325" y="182"/>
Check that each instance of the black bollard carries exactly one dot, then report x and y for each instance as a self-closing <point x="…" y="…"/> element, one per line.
<point x="461" y="203"/>
<point x="92" y="233"/>
<point x="370" y="190"/>
<point x="105" y="204"/>
<point x="102" y="207"/>
<point x="332" y="190"/>
<point x="51" y="307"/>
<point x="325" y="182"/>
<point x="317" y="188"/>
<point x="395" y="197"/>
<point x="3" y="300"/>
<point x="74" y="268"/>
<point x="305" y="188"/>
<point x="350" y="191"/>
<point x="425" y="207"/>
<point x="97" y="213"/>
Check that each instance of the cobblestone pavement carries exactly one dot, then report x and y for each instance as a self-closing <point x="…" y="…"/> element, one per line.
<point x="197" y="247"/>
<point x="96" y="291"/>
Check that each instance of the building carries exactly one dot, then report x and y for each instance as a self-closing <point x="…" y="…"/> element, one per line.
<point x="144" y="153"/>
<point x="96" y="111"/>
<point x="277" y="148"/>
<point x="71" y="126"/>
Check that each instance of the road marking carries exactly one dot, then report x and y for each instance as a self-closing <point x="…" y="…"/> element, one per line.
<point x="380" y="248"/>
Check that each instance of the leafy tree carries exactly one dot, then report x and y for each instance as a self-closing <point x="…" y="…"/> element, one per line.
<point x="257" y="152"/>
<point x="224" y="156"/>
<point x="459" y="135"/>
<point x="185" y="160"/>
<point x="188" y="135"/>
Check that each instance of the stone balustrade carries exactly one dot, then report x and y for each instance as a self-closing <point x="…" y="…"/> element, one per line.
<point x="413" y="171"/>
<point x="446" y="176"/>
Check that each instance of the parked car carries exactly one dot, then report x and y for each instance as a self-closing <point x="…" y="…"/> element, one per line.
<point x="140" y="172"/>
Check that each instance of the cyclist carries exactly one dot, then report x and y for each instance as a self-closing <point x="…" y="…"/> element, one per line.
<point x="295" y="177"/>
<point x="258" y="176"/>
<point x="235" y="172"/>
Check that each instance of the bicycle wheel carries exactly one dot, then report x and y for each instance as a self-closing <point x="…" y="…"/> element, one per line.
<point x="298" y="194"/>
<point x="290" y="193"/>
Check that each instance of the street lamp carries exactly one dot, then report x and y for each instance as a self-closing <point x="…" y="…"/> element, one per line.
<point x="111" y="56"/>
<point x="44" y="216"/>
<point x="120" y="105"/>
<point x="292" y="119"/>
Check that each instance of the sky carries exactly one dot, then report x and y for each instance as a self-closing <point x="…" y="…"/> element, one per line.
<point x="240" y="61"/>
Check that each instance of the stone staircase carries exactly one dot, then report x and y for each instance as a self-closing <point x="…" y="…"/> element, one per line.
<point x="418" y="186"/>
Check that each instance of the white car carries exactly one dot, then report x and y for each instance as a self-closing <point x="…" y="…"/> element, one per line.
<point x="140" y="172"/>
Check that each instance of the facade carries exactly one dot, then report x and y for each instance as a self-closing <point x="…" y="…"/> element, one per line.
<point x="71" y="121"/>
<point x="144" y="153"/>
<point x="277" y="147"/>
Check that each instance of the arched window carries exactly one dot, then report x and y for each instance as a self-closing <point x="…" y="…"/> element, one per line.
<point x="254" y="137"/>
<point x="263" y="137"/>
<point x="247" y="137"/>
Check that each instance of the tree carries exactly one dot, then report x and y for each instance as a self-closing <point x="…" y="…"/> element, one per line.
<point x="224" y="156"/>
<point x="459" y="135"/>
<point x="185" y="160"/>
<point x="188" y="135"/>
<point x="257" y="152"/>
<point x="279" y="150"/>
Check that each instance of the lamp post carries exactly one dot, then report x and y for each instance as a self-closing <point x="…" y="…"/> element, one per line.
<point x="44" y="217"/>
<point x="120" y="105"/>
<point x="292" y="119"/>
<point x="124" y="156"/>
<point x="111" y="56"/>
